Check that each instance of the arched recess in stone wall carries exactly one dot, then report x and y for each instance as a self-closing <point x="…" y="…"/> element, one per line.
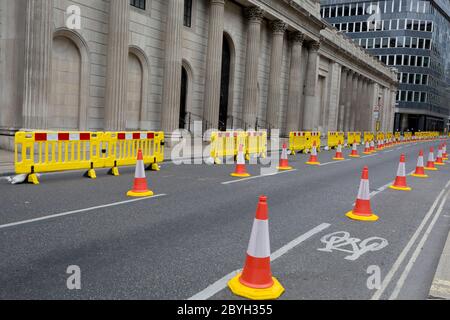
<point x="70" y="81"/>
<point x="189" y="86"/>
<point x="229" y="38"/>
<point x="138" y="83"/>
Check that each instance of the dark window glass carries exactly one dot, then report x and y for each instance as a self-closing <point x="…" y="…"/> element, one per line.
<point x="423" y="25"/>
<point x="351" y="27"/>
<point x="420" y="43"/>
<point x="418" y="79"/>
<point x="400" y="42"/>
<point x="403" y="96"/>
<point x="416" y="25"/>
<point x="384" y="59"/>
<point x="404" y="78"/>
<point x="353" y="11"/>
<point x="411" y="78"/>
<point x="326" y="12"/>
<point x="391" y="61"/>
<point x="425" y="79"/>
<point x="423" y="97"/>
<point x="429" y="26"/>
<point x="394" y="25"/>
<point x="386" y="25"/>
<point x="140" y="4"/>
<point x="188" y="13"/>
<point x="414" y="43"/>
<point x="370" y="43"/>
<point x="419" y="61"/>
<point x="410" y="96"/>
<point x="392" y="43"/>
<point x="339" y="11"/>
<point x="427" y="44"/>
<point x="360" y="10"/>
<point x="407" y="42"/>
<point x="398" y="60"/>
<point x="333" y="12"/>
<point x="346" y="10"/>
<point x="409" y="25"/>
<point x="364" y="26"/>
<point x="426" y="62"/>
<point x="416" y="96"/>
<point x="357" y="26"/>
<point x="377" y="43"/>
<point x="412" y="61"/>
<point x="385" y="42"/>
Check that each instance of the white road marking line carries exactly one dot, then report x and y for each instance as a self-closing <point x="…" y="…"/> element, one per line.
<point x="370" y="155"/>
<point x="408" y="247"/>
<point x="59" y="215"/>
<point x="418" y="250"/>
<point x="257" y="177"/>
<point x="221" y="284"/>
<point x="388" y="151"/>
<point x="333" y="162"/>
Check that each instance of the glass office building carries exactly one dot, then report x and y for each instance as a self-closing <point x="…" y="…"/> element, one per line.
<point x="412" y="36"/>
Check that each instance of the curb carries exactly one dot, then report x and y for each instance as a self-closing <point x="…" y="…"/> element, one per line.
<point x="440" y="288"/>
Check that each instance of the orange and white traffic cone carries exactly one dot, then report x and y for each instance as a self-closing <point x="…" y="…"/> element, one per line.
<point x="240" y="171"/>
<point x="444" y="152"/>
<point x="400" y="181"/>
<point x="140" y="188"/>
<point x="339" y="156"/>
<point x="367" y="148"/>
<point x="439" y="161"/>
<point x="362" y="210"/>
<point x="379" y="148"/>
<point x="313" y="159"/>
<point x="256" y="281"/>
<point x="284" y="161"/>
<point x="354" y="153"/>
<point x="430" y="164"/>
<point x="420" y="170"/>
<point x="372" y="147"/>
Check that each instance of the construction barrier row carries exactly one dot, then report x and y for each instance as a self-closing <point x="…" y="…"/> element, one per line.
<point x="227" y="144"/>
<point x="43" y="152"/>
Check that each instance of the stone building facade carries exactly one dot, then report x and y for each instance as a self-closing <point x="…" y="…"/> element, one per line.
<point x="162" y="64"/>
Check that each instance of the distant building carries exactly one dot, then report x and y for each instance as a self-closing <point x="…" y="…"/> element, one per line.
<point x="414" y="37"/>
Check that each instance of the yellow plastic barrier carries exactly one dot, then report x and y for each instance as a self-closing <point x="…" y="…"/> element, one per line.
<point x="408" y="136"/>
<point x="353" y="137"/>
<point x="335" y="138"/>
<point x="311" y="138"/>
<point x="122" y="147"/>
<point x="46" y="151"/>
<point x="389" y="136"/>
<point x="369" y="137"/>
<point x="226" y="144"/>
<point x="397" y="136"/>
<point x="380" y="136"/>
<point x="40" y="152"/>
<point x="297" y="141"/>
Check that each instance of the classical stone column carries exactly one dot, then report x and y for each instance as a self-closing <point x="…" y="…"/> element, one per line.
<point x="359" y="104"/>
<point x="38" y="51"/>
<point x="295" y="88"/>
<point x="311" y="112"/>
<point x="343" y="98"/>
<point x="254" y="16"/>
<point x="273" y="101"/>
<point x="348" y="100"/>
<point x="214" y="63"/>
<point x="331" y="115"/>
<point x="117" y="67"/>
<point x="354" y="106"/>
<point x="364" y="122"/>
<point x="172" y="67"/>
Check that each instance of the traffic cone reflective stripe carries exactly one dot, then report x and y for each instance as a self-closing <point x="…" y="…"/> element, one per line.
<point x="256" y="281"/>
<point x="400" y="180"/>
<point x="313" y="159"/>
<point x="240" y="171"/>
<point x="439" y="160"/>
<point x="362" y="210"/>
<point x="367" y="148"/>
<point x="420" y="170"/>
<point x="354" y="153"/>
<point x="339" y="156"/>
<point x="430" y="164"/>
<point x="284" y="161"/>
<point x="372" y="147"/>
<point x="140" y="188"/>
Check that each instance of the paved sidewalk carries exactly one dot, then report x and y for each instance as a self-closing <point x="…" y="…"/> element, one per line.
<point x="440" y="288"/>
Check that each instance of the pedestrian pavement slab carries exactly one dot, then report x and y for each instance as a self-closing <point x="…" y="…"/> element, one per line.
<point x="440" y="288"/>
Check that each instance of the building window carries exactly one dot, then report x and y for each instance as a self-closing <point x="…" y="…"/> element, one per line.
<point x="427" y="44"/>
<point x="425" y="79"/>
<point x="398" y="60"/>
<point x="188" y="13"/>
<point x="140" y="4"/>
<point x="423" y="97"/>
<point x="419" y="61"/>
<point x="401" y="24"/>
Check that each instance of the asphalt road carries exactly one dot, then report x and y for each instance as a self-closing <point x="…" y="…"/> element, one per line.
<point x="196" y="232"/>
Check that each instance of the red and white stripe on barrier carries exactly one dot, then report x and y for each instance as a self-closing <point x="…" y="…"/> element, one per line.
<point x="62" y="136"/>
<point x="136" y="136"/>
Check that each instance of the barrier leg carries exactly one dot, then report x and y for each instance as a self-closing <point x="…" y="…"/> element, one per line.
<point x="115" y="170"/>
<point x="32" y="178"/>
<point x="91" y="173"/>
<point x="155" y="167"/>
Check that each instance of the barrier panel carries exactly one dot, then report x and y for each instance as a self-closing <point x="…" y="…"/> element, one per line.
<point x="226" y="144"/>
<point x="397" y="136"/>
<point x="408" y="136"/>
<point x="334" y="138"/>
<point x="47" y="151"/>
<point x="122" y="148"/>
<point x="353" y="137"/>
<point x="380" y="136"/>
<point x="389" y="136"/>
<point x="297" y="141"/>
<point x="369" y="137"/>
<point x="311" y="138"/>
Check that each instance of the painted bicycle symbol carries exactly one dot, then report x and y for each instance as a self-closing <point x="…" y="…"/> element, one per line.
<point x="341" y="241"/>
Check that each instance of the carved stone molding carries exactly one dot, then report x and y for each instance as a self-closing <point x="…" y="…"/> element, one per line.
<point x="278" y="27"/>
<point x="254" y="14"/>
